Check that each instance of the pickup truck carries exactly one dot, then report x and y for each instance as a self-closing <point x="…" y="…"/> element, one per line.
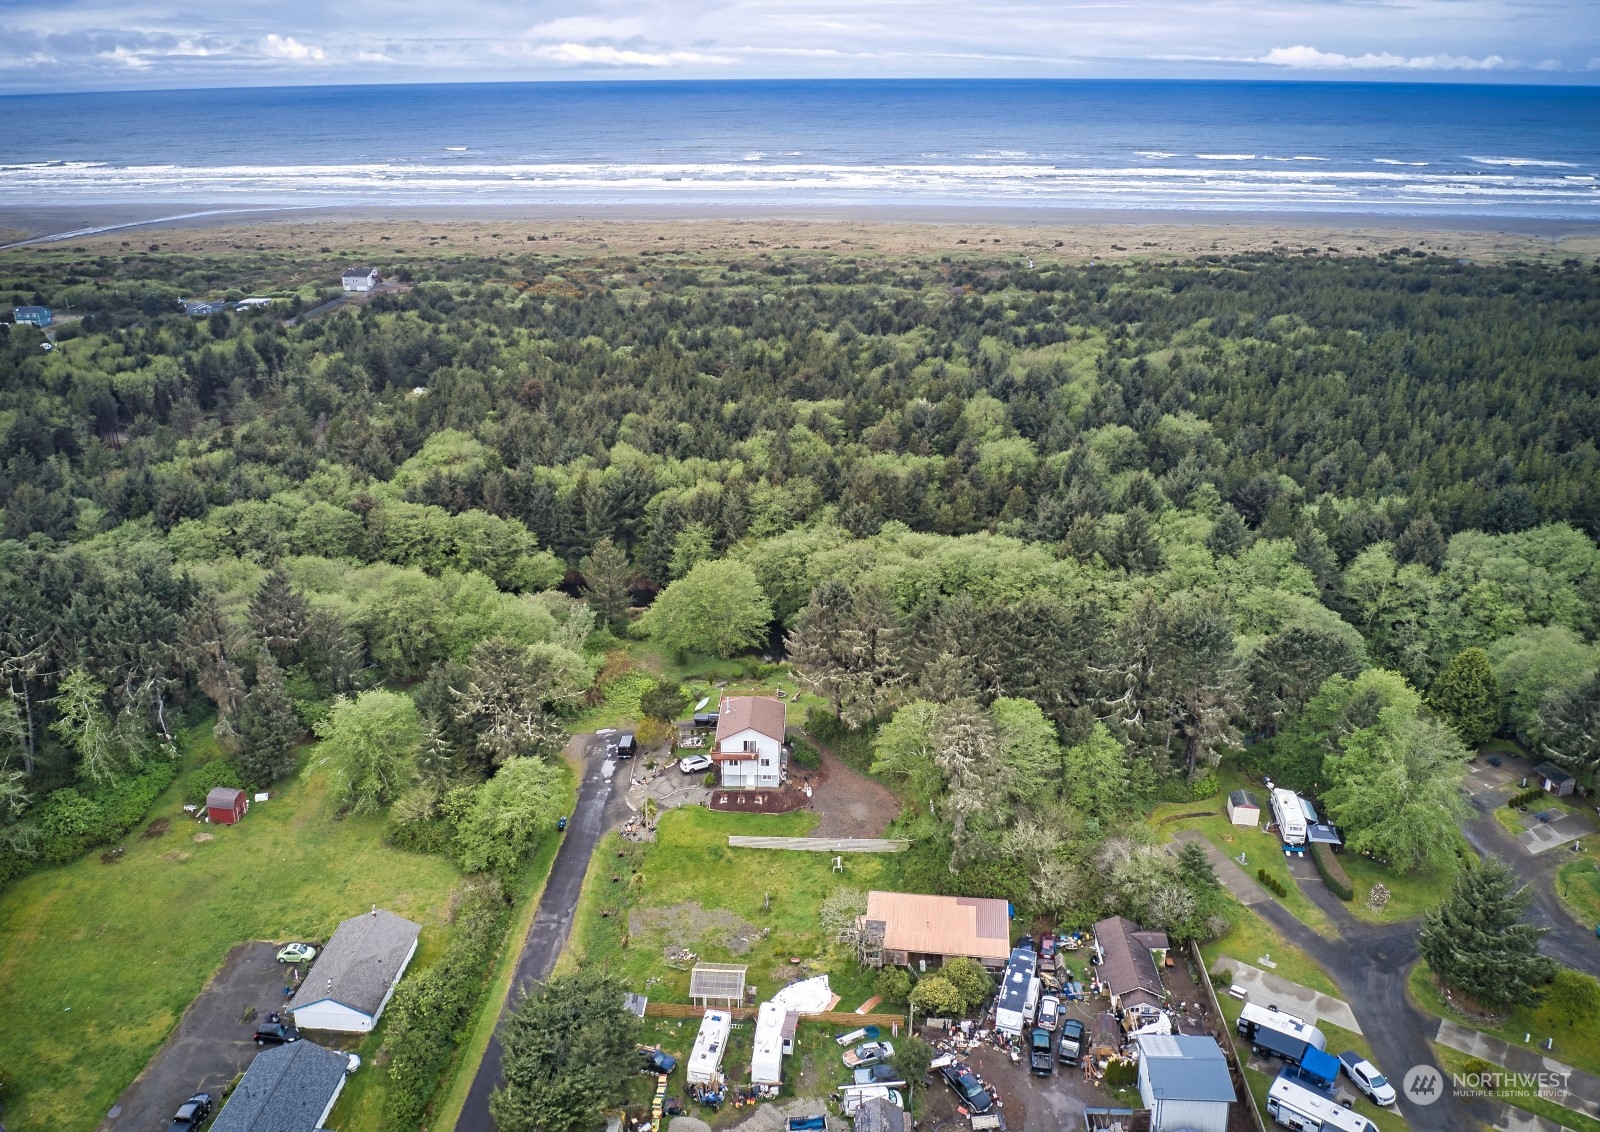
<point x="967" y="1086"/>
<point x="868" y="1053"/>
<point x="1365" y="1076"/>
<point x="1070" y="1051"/>
<point x="1040" y="1061"/>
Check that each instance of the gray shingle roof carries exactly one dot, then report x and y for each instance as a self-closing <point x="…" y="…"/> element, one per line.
<point x="1127" y="965"/>
<point x="879" y="1115"/>
<point x="360" y="963"/>
<point x="285" y="1089"/>
<point x="1185" y="1068"/>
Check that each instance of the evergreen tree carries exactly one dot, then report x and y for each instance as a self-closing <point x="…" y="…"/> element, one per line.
<point x="1570" y="718"/>
<point x="606" y="582"/>
<point x="1228" y="534"/>
<point x="279" y="615"/>
<point x="1467" y="694"/>
<point x="568" y="1055"/>
<point x="1478" y="941"/>
<point x="268" y="726"/>
<point x="1422" y="542"/>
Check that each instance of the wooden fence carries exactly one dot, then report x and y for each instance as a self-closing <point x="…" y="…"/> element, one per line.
<point x="823" y="844"/>
<point x="850" y="1019"/>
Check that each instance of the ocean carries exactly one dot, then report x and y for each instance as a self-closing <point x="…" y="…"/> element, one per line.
<point x="1401" y="149"/>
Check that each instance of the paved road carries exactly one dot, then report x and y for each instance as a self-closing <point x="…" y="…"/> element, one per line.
<point x="212" y="1043"/>
<point x="598" y="809"/>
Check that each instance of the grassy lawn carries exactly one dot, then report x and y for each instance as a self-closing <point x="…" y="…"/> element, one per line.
<point x="97" y="962"/>
<point x="702" y="677"/>
<point x="1261" y="850"/>
<point x="690" y="890"/>
<point x="1578" y="884"/>
<point x="1250" y="938"/>
<point x="1577" y="1046"/>
<point x="1455" y="1062"/>
<point x="1410" y="894"/>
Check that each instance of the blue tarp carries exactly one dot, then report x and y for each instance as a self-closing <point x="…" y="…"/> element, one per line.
<point x="1319" y="1066"/>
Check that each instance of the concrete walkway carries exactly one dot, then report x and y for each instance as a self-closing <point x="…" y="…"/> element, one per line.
<point x="1267" y="989"/>
<point x="1583" y="1089"/>
<point x="1243" y="887"/>
<point x="1520" y="1120"/>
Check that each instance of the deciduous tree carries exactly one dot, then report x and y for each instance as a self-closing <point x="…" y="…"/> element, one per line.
<point x="715" y="608"/>
<point x="369" y="746"/>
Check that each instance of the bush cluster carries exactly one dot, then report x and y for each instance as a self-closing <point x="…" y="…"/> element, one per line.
<point x="1271" y="883"/>
<point x="430" y="1010"/>
<point x="200" y="781"/>
<point x="1332" y="872"/>
<point x="1531" y="795"/>
<point x="69" y="822"/>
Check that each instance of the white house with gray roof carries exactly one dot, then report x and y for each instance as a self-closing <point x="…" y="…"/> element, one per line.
<point x="354" y="977"/>
<point x="289" y="1088"/>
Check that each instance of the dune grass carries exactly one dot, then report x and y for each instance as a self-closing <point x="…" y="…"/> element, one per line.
<point x="98" y="961"/>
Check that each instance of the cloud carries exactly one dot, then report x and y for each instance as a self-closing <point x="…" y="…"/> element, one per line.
<point x="572" y="28"/>
<point x="288" y="47"/>
<point x="373" y="57"/>
<point x="1594" y="64"/>
<point x="1309" y="57"/>
<point x="129" y="58"/>
<point x="605" y="55"/>
<point x="1548" y="65"/>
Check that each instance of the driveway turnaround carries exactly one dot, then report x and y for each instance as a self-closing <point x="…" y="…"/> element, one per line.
<point x="598" y="809"/>
<point x="1267" y="989"/>
<point x="214" y="1041"/>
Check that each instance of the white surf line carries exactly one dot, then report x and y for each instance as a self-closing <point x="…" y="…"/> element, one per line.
<point x="79" y="232"/>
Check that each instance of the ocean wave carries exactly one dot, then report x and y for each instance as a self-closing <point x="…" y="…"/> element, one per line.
<point x="1397" y="161"/>
<point x="1155" y="154"/>
<point x="1226" y="156"/>
<point x="1519" y="162"/>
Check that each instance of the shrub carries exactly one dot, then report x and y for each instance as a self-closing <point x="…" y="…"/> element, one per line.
<point x="1522" y="799"/>
<point x="1271" y="883"/>
<point x="892" y="984"/>
<point x="803" y="754"/>
<point x="1332" y="872"/>
<point x="1121" y="1071"/>
<point x="69" y="823"/>
<point x="1574" y="999"/>
<point x="430" y="1008"/>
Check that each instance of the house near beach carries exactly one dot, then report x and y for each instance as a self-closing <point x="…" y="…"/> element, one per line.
<point x="749" y="745"/>
<point x="355" y="976"/>
<point x="360" y="278"/>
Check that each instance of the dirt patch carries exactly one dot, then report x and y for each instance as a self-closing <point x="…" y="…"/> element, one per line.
<point x="112" y="856"/>
<point x="782" y="801"/>
<point x="157" y="828"/>
<point x="176" y="856"/>
<point x="205" y="837"/>
<point x="687" y="925"/>
<point x="847" y="802"/>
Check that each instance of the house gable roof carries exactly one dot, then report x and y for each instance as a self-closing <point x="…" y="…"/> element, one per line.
<point x="1552" y="772"/>
<point x="286" y="1089"/>
<point x="1180" y="1067"/>
<point x="942" y="925"/>
<point x="358" y="272"/>
<point x="1126" y="964"/>
<point x="360" y="963"/>
<point x="761" y="714"/>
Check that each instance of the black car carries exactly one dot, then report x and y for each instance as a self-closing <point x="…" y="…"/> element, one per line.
<point x="276" y="1033"/>
<point x="191" y="1113"/>
<point x="968" y="1088"/>
<point x="1040" y="1063"/>
<point x="627" y="746"/>
<point x="1070" y="1051"/>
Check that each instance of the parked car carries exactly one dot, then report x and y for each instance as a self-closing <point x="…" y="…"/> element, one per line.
<point x="869" y="1053"/>
<point x="878" y="1075"/>
<point x="1049" y="1012"/>
<point x="852" y="1097"/>
<point x="967" y="1087"/>
<point x="695" y="764"/>
<point x="1365" y="1076"/>
<point x="1040" y="1062"/>
<point x="658" y="1061"/>
<point x="1070" y="1050"/>
<point x="352" y="1064"/>
<point x="297" y="953"/>
<point x="191" y="1114"/>
<point x="627" y="746"/>
<point x="1047" y="946"/>
<point x="276" y="1033"/>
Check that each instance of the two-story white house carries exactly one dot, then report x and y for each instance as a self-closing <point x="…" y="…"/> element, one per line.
<point x="749" y="749"/>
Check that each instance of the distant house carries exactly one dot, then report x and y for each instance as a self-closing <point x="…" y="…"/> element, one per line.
<point x="354" y="977"/>
<point x="749" y="745"/>
<point x="911" y="930"/>
<point x="288" y="1088"/>
<point x="1554" y="780"/>
<point x="1184" y="1082"/>
<point x="1128" y="966"/>
<point x="226" y="806"/>
<point x="203" y="308"/>
<point x="34" y="316"/>
<point x="360" y="278"/>
<point x="1243" y="809"/>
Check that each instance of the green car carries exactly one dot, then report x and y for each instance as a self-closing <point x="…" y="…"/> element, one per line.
<point x="297" y="953"/>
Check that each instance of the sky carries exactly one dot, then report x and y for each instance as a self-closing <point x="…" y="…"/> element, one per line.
<point x="67" y="45"/>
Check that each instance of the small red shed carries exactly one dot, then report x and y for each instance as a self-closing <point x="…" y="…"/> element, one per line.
<point x="225" y="805"/>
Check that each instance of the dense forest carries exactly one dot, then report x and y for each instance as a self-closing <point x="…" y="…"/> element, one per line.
<point x="1048" y="541"/>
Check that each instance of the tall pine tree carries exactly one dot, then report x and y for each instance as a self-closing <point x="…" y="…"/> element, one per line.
<point x="1467" y="694"/>
<point x="1570" y="718"/>
<point x="605" y="582"/>
<point x="268" y="727"/>
<point x="1478" y="941"/>
<point x="279" y="615"/>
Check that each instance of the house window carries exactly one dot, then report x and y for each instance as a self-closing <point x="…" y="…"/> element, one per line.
<point x="750" y="746"/>
<point x="766" y="763"/>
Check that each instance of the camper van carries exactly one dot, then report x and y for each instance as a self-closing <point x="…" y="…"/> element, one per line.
<point x="1278" y="1034"/>
<point x="1300" y="1109"/>
<point x="1291" y="819"/>
<point x="1019" y="992"/>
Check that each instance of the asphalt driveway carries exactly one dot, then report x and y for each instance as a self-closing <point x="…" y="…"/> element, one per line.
<point x="213" y="1043"/>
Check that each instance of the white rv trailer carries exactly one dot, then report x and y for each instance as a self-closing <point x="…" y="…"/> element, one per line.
<point x="705" y="1061"/>
<point x="1291" y="818"/>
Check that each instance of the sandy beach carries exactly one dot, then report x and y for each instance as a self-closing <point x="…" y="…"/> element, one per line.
<point x="1044" y="234"/>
